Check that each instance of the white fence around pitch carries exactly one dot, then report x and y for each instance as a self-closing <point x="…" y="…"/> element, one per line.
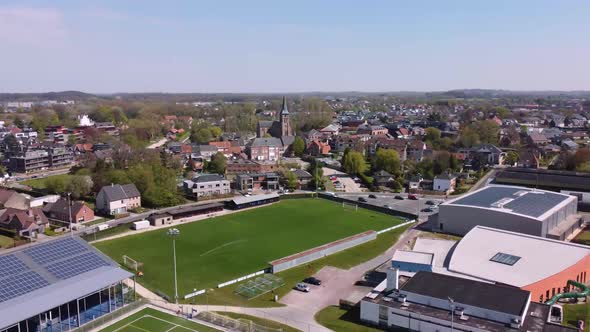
<point x="231" y="282"/>
<point x="396" y="226"/>
<point x="193" y="294"/>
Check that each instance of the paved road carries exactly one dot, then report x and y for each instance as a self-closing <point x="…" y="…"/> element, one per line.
<point x="157" y="144"/>
<point x="406" y="205"/>
<point x="39" y="175"/>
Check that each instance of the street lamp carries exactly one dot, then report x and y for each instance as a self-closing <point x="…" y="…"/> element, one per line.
<point x="173" y="233"/>
<point x="70" y="213"/>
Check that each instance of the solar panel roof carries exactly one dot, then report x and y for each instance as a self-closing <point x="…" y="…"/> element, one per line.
<point x="52" y="267"/>
<point x="520" y="200"/>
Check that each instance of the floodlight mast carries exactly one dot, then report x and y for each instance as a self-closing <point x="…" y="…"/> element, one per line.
<point x="173" y="233"/>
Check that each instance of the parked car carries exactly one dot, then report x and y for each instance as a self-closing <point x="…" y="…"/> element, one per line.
<point x="362" y="199"/>
<point x="428" y="209"/>
<point x="401" y="198"/>
<point x="302" y="287"/>
<point x="372" y="196"/>
<point x="429" y="202"/>
<point x="413" y="197"/>
<point x="312" y="281"/>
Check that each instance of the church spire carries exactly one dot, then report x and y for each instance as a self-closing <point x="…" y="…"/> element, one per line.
<point x="284" y="110"/>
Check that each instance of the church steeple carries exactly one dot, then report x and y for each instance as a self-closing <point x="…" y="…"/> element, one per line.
<point x="284" y="110"/>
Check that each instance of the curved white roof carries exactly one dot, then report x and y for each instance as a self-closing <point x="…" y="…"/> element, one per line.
<point x="537" y="257"/>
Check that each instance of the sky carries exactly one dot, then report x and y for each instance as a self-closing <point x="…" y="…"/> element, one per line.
<point x="293" y="46"/>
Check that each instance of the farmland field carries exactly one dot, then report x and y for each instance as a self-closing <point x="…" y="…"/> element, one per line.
<point x="223" y="248"/>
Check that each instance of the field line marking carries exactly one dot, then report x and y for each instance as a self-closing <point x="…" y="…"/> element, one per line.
<point x="137" y="327"/>
<point x="221" y="246"/>
<point x="135" y="320"/>
<point x="174" y="325"/>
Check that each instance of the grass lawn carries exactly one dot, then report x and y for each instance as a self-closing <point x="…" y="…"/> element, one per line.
<point x="583" y="237"/>
<point x="260" y="321"/>
<point x="338" y="320"/>
<point x="223" y="248"/>
<point x="6" y="241"/>
<point x="40" y="183"/>
<point x="574" y="312"/>
<point x="152" y="320"/>
<point x="344" y="260"/>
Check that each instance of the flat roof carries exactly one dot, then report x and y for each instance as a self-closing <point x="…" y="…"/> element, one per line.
<point x="43" y="276"/>
<point x="253" y="198"/>
<point x="538" y="257"/>
<point x="194" y="208"/>
<point x="529" y="202"/>
<point x="545" y="178"/>
<point x="415" y="257"/>
<point x="506" y="299"/>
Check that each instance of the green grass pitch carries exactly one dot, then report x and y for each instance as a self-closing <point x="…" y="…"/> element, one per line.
<point x="223" y="248"/>
<point x="151" y="320"/>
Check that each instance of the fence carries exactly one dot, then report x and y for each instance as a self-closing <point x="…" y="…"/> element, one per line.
<point x="395" y="227"/>
<point x="111" y="317"/>
<point x="193" y="294"/>
<point x="299" y="195"/>
<point x="244" y="325"/>
<point x="367" y="206"/>
<point x="231" y="282"/>
<point x="321" y="251"/>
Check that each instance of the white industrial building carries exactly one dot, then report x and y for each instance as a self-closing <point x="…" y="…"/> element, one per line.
<point x="511" y="208"/>
<point x="437" y="302"/>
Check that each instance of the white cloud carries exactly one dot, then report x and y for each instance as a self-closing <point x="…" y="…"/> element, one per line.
<point x="31" y="26"/>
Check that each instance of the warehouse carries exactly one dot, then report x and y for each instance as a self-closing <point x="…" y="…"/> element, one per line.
<point x="517" y="209"/>
<point x="191" y="211"/>
<point x="59" y="285"/>
<point x="250" y="201"/>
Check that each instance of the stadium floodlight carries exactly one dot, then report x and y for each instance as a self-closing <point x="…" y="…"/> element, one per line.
<point x="174" y="233"/>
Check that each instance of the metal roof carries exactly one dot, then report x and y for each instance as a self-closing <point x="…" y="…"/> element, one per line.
<point x="538" y="257"/>
<point x="43" y="276"/>
<point x="520" y="200"/>
<point x="255" y="198"/>
<point x="498" y="298"/>
<point x="416" y="257"/>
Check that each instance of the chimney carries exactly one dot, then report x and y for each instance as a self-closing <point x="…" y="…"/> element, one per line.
<point x="392" y="279"/>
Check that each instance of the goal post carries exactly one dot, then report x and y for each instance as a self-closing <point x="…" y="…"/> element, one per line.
<point x="350" y="206"/>
<point x="131" y="263"/>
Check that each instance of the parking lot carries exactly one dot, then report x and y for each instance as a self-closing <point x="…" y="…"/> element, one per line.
<point x="405" y="205"/>
<point x="348" y="184"/>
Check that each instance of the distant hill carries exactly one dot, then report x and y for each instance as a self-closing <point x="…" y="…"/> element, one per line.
<point x="62" y="95"/>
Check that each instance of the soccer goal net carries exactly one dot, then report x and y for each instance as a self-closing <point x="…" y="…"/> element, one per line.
<point x="132" y="263"/>
<point x="350" y="206"/>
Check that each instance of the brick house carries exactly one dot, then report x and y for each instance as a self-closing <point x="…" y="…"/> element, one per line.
<point x="61" y="211"/>
<point x="28" y="222"/>
<point x="117" y="199"/>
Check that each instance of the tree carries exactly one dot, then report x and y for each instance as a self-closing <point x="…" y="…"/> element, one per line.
<point x="583" y="167"/>
<point x="202" y="135"/>
<point x="488" y="131"/>
<point x="55" y="184"/>
<point x="298" y="146"/>
<point x="317" y="172"/>
<point x="218" y="163"/>
<point x="79" y="185"/>
<point x="291" y="180"/>
<point x="387" y="160"/>
<point x="441" y="162"/>
<point x="432" y="135"/>
<point x="354" y="163"/>
<point x="511" y="158"/>
<point x="468" y="137"/>
<point x="215" y="132"/>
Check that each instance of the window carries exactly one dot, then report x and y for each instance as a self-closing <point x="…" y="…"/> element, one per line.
<point x="503" y="258"/>
<point x="547" y="294"/>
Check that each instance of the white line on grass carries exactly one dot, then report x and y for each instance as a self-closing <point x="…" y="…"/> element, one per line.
<point x="173" y="327"/>
<point x="135" y="320"/>
<point x="139" y="328"/>
<point x="221" y="246"/>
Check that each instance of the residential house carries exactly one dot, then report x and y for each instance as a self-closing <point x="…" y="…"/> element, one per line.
<point x="445" y="182"/>
<point x="29" y="222"/>
<point x="254" y="181"/>
<point x="117" y="199"/>
<point x="207" y="185"/>
<point x="330" y="130"/>
<point x="538" y="139"/>
<point x="266" y="149"/>
<point x="303" y="178"/>
<point x="415" y="181"/>
<point x="61" y="210"/>
<point x="372" y="130"/>
<point x="318" y="148"/>
<point x="240" y="165"/>
<point x="12" y="199"/>
<point x="383" y="178"/>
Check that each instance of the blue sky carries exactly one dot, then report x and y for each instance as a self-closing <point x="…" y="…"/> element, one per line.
<point x="293" y="46"/>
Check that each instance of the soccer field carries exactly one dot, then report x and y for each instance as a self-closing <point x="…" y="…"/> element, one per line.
<point x="151" y="320"/>
<point x="223" y="248"/>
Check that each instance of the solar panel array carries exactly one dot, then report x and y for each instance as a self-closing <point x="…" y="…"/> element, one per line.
<point x="10" y="264"/>
<point x="532" y="204"/>
<point x="76" y="265"/>
<point x="17" y="285"/>
<point x="48" y="252"/>
<point x="506" y="259"/>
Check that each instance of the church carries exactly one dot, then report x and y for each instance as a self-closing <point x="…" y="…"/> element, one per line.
<point x="279" y="129"/>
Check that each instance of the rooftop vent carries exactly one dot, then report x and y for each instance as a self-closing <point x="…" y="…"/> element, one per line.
<point x="463" y="317"/>
<point x="459" y="311"/>
<point x="500" y="203"/>
<point x="515" y="323"/>
<point x="521" y="193"/>
<point x="401" y="298"/>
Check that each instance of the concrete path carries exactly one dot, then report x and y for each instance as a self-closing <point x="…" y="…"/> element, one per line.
<point x="157" y="144"/>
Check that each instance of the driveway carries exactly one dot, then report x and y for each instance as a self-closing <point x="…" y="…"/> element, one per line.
<point x="345" y="179"/>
